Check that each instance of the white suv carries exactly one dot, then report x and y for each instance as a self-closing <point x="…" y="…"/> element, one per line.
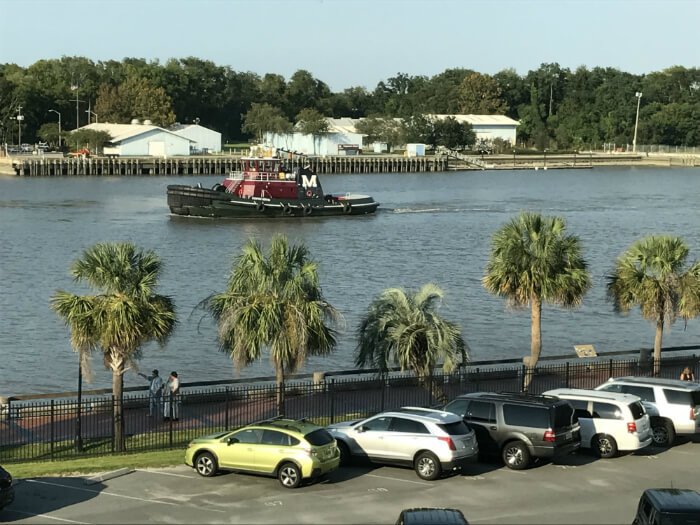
<point x="673" y="405"/>
<point x="609" y="421"/>
<point x="430" y="441"/>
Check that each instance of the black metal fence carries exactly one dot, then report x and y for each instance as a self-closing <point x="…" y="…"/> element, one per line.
<point x="60" y="429"/>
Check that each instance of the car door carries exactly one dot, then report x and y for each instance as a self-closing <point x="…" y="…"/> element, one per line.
<point x="609" y="420"/>
<point x="273" y="448"/>
<point x="585" y="420"/>
<point x="370" y="437"/>
<point x="481" y="417"/>
<point x="407" y="437"/>
<point x="239" y="451"/>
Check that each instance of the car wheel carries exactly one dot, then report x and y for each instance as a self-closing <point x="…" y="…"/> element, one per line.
<point x="345" y="456"/>
<point x="427" y="466"/>
<point x="516" y="456"/>
<point x="605" y="446"/>
<point x="206" y="465"/>
<point x="663" y="433"/>
<point x="289" y="475"/>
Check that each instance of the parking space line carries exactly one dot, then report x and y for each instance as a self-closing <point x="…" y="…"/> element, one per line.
<point x="165" y="473"/>
<point x="398" y="479"/>
<point x="44" y="516"/>
<point x="101" y="492"/>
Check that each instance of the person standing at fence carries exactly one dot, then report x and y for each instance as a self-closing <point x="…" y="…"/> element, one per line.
<point x="171" y="405"/>
<point x="155" y="391"/>
<point x="687" y="374"/>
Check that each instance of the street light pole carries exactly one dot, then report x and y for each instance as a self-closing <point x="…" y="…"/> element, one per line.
<point x="59" y="126"/>
<point x="75" y="88"/>
<point x="638" y="94"/>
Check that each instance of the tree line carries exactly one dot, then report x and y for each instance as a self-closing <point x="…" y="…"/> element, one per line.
<point x="558" y="108"/>
<point x="273" y="304"/>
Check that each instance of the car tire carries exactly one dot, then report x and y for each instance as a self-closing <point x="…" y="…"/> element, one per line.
<point x="604" y="446"/>
<point x="427" y="466"/>
<point x="662" y="432"/>
<point x="205" y="464"/>
<point x="345" y="456"/>
<point x="289" y="476"/>
<point x="516" y="455"/>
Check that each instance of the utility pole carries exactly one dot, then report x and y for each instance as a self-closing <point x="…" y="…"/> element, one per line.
<point x="638" y="94"/>
<point x="19" y="118"/>
<point x="75" y="87"/>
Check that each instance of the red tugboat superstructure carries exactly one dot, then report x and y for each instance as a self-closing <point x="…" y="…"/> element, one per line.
<point x="266" y="187"/>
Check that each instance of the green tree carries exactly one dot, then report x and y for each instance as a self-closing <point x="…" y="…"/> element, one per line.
<point x="121" y="317"/>
<point x="263" y="118"/>
<point x="274" y="302"/>
<point x="312" y="122"/>
<point x="405" y="329"/>
<point x="452" y="134"/>
<point x="653" y="275"/>
<point x="481" y="95"/>
<point x="534" y="261"/>
<point x="136" y="97"/>
<point x="49" y="133"/>
<point x="92" y="139"/>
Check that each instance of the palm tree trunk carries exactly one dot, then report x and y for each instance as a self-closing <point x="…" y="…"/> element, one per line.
<point x="436" y="392"/>
<point x="279" y="373"/>
<point x="657" y="344"/>
<point x="118" y="396"/>
<point x="535" y="339"/>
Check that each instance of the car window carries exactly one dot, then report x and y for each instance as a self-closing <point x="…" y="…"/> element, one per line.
<point x="273" y="437"/>
<point x="249" y="435"/>
<point x="400" y="424"/>
<point x="455" y="429"/>
<point x="578" y="404"/>
<point x="644" y="392"/>
<point x="482" y="411"/>
<point x="612" y="387"/>
<point x="319" y="437"/>
<point x="563" y="415"/>
<point x="606" y="411"/>
<point x="378" y="423"/>
<point x="678" y="397"/>
<point x="458" y="406"/>
<point x="525" y="416"/>
<point x="637" y="410"/>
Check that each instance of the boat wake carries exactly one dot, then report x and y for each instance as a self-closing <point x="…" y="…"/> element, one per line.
<point x="437" y="210"/>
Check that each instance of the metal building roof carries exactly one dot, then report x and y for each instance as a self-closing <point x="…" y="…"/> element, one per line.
<point x="480" y="120"/>
<point x="121" y="132"/>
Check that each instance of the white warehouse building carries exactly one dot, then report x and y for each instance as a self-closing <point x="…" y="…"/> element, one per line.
<point x="204" y="140"/>
<point x="340" y="139"/>
<point x="142" y="140"/>
<point x="486" y="127"/>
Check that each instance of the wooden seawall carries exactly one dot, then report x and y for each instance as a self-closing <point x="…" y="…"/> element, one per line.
<point x="102" y="166"/>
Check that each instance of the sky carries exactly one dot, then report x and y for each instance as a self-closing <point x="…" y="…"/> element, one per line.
<point x="347" y="43"/>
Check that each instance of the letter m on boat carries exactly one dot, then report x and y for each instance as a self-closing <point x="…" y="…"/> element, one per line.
<point x="309" y="181"/>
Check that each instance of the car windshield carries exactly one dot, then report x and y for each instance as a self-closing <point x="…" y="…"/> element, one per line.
<point x="319" y="437"/>
<point x="457" y="428"/>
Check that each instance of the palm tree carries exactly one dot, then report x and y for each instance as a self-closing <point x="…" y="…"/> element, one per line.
<point x="274" y="303"/>
<point x="652" y="274"/>
<point x="125" y="314"/>
<point x="534" y="261"/>
<point x="405" y="329"/>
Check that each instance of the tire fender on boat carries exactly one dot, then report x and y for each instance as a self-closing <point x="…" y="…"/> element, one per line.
<point x="307" y="209"/>
<point x="347" y="207"/>
<point x="286" y="209"/>
<point x="260" y="206"/>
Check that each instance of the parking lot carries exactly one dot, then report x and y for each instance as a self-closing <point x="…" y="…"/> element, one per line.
<point x="580" y="489"/>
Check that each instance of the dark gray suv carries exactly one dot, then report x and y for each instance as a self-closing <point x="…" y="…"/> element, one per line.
<point x="519" y="427"/>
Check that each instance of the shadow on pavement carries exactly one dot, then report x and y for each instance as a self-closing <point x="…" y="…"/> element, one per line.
<point x="44" y="496"/>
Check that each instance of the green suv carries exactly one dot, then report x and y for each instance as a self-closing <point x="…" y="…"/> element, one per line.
<point x="289" y="450"/>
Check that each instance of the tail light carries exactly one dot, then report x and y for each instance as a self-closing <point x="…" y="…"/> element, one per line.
<point x="311" y="452"/>
<point x="549" y="436"/>
<point x="632" y="427"/>
<point x="449" y="442"/>
<point x="693" y="413"/>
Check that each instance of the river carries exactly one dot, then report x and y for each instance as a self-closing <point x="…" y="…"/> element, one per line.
<point x="431" y="227"/>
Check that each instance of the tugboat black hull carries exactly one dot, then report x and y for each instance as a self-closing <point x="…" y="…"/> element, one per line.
<point x="202" y="202"/>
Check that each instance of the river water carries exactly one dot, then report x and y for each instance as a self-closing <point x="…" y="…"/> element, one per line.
<point x="431" y="227"/>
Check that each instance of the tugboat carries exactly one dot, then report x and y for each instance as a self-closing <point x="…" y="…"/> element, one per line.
<point x="266" y="187"/>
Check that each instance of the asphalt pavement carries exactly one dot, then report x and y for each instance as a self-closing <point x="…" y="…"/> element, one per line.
<point x="578" y="489"/>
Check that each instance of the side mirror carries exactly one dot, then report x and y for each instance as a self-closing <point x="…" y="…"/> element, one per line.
<point x="362" y="428"/>
<point x="232" y="441"/>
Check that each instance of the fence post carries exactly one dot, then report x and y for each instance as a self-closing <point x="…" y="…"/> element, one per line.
<point x="610" y="369"/>
<point x="331" y="395"/>
<point x="228" y="407"/>
<point x="522" y="382"/>
<point x="567" y="374"/>
<point x="384" y="381"/>
<point x="53" y="432"/>
<point x="111" y="417"/>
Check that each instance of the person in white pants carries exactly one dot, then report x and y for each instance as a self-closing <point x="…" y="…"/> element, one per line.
<point x="172" y="403"/>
